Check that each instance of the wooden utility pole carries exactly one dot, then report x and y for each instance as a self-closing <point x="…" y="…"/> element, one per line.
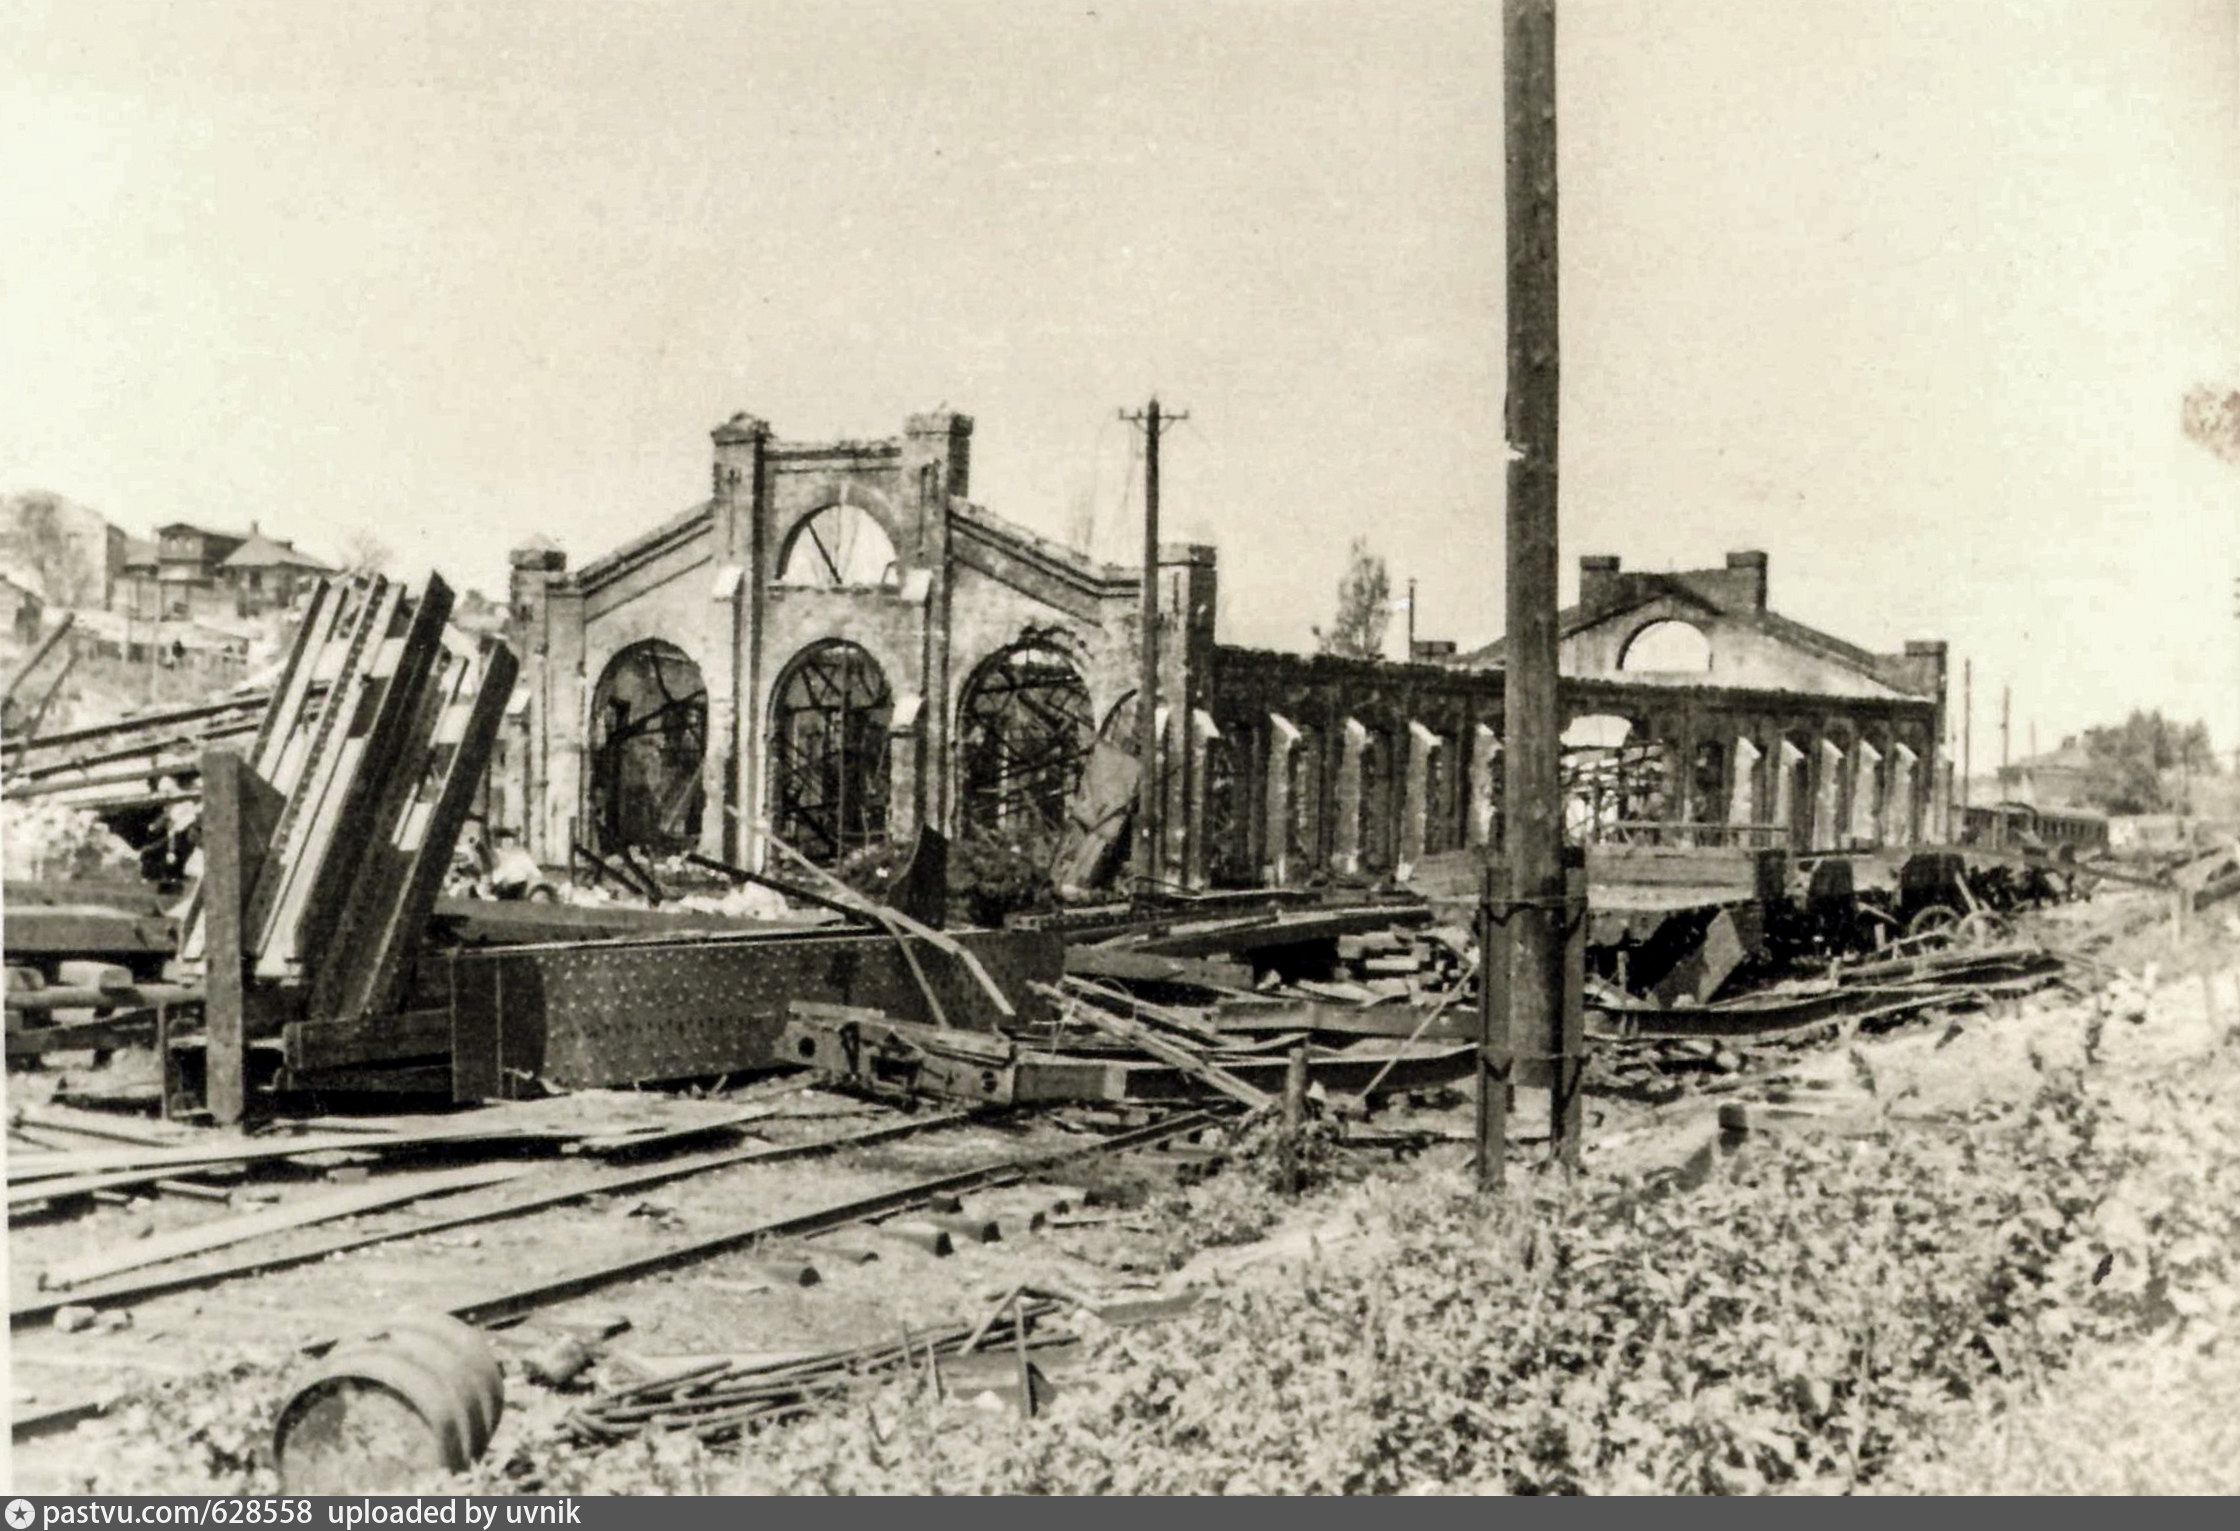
<point x="1147" y="687"/>
<point x="1411" y="655"/>
<point x="1532" y="915"/>
<point x="1967" y="732"/>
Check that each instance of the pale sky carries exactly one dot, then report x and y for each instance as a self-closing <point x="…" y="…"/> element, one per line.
<point x="1905" y="294"/>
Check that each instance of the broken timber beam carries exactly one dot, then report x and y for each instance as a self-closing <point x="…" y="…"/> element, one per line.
<point x="1167" y="1051"/>
<point x="238" y="812"/>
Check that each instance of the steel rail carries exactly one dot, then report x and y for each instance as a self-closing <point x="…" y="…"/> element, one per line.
<point x="527" y="1299"/>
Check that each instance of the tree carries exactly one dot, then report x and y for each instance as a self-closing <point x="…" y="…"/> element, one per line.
<point x="2127" y="767"/>
<point x="2211" y="418"/>
<point x="38" y="536"/>
<point x="364" y="554"/>
<point x="1364" y="607"/>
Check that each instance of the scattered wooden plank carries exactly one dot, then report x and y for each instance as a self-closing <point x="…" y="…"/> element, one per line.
<point x="79" y="997"/>
<point x="98" y="1124"/>
<point x="83" y="1173"/>
<point x="182" y="1242"/>
<point x="615" y="1143"/>
<point x="1169" y="1052"/>
<point x="1174" y="1020"/>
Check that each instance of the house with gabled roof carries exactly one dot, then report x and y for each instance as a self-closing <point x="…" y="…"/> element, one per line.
<point x="268" y="573"/>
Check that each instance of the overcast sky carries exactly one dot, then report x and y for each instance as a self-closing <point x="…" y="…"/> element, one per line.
<point x="1904" y="294"/>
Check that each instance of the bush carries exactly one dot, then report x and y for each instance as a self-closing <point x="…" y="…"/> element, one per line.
<point x="1814" y="1306"/>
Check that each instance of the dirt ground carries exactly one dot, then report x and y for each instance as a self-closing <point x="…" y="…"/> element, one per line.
<point x="732" y="1304"/>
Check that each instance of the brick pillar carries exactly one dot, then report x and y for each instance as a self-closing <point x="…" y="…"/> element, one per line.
<point x="1283" y="738"/>
<point x="1345" y="843"/>
<point x="1196" y="854"/>
<point x="1901" y="813"/>
<point x="1423" y="750"/>
<point x="1742" y="774"/>
<point x="936" y="467"/>
<point x="741" y="498"/>
<point x="1485" y="773"/>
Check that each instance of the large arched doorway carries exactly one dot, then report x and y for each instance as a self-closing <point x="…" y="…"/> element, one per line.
<point x="1228" y="857"/>
<point x="828" y="751"/>
<point x="1373" y="827"/>
<point x="1303" y="794"/>
<point x="1024" y="731"/>
<point x="649" y="736"/>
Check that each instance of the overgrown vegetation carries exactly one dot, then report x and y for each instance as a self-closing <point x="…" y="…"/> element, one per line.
<point x="1796" y="1321"/>
<point x="2144" y="764"/>
<point x="1817" y="1313"/>
<point x="1364" y="607"/>
<point x="2210" y="417"/>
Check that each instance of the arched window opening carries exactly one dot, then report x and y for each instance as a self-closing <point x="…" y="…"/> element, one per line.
<point x="1709" y="783"/>
<point x="1303" y="794"/>
<point x="1374" y="827"/>
<point x="1025" y="729"/>
<point x="840" y="547"/>
<point x="828" y="752"/>
<point x="1228" y="862"/>
<point x="649" y="736"/>
<point x="1793" y="787"/>
<point x="1121" y="729"/>
<point x="1609" y="778"/>
<point x="1442" y="799"/>
<point x="1669" y="647"/>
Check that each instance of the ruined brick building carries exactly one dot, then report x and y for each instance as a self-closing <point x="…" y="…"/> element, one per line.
<point x="840" y="645"/>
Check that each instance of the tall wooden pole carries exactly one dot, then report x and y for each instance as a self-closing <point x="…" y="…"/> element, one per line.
<point x="1147" y="689"/>
<point x="1967" y="734"/>
<point x="1147" y="686"/>
<point x="1532" y="795"/>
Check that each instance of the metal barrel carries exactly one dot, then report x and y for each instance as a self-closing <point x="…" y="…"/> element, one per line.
<point x="421" y="1395"/>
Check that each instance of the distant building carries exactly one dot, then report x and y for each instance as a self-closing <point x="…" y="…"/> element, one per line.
<point x="268" y="574"/>
<point x="2058" y="779"/>
<point x="138" y="593"/>
<point x="187" y="584"/>
<point x="22" y="608"/>
<point x="191" y="573"/>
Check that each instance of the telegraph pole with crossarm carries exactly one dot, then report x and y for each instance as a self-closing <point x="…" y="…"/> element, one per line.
<point x="1154" y="421"/>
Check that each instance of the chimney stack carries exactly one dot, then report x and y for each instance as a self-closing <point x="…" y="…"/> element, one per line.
<point x="1598" y="580"/>
<point x="1752" y="566"/>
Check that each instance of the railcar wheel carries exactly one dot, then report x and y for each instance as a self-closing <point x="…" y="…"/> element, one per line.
<point x="1983" y="928"/>
<point x="1937" y="925"/>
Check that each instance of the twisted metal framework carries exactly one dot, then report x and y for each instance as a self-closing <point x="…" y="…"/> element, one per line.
<point x="1025" y="731"/>
<point x="829" y="751"/>
<point x="649" y="722"/>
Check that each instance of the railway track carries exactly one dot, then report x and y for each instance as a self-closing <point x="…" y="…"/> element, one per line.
<point x="546" y="1204"/>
